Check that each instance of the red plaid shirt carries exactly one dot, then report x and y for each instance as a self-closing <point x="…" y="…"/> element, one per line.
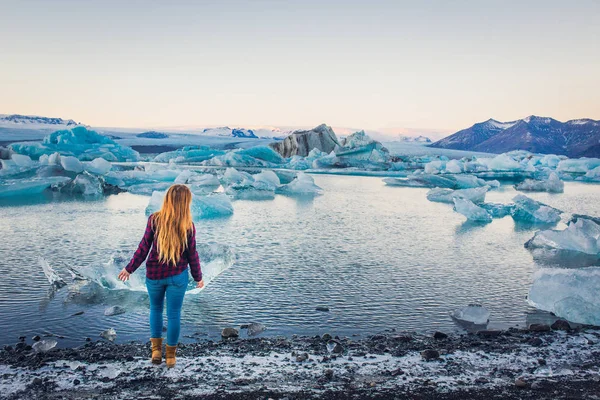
<point x="157" y="270"/>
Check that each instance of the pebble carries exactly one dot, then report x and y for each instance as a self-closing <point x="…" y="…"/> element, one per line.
<point x="489" y="333"/>
<point x="36" y="338"/>
<point x="539" y="328"/>
<point x="430" y="354"/>
<point x="229" y="332"/>
<point x="536" y="342"/>
<point x="302" y="357"/>
<point x="520" y="383"/>
<point x="440" y="335"/>
<point x="561" y="325"/>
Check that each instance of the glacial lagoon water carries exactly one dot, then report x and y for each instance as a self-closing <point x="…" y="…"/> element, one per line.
<point x="379" y="257"/>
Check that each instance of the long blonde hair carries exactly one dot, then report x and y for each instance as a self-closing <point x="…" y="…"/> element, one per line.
<point x="172" y="224"/>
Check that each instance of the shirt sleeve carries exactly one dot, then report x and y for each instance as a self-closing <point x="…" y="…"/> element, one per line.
<point x="193" y="258"/>
<point x="142" y="251"/>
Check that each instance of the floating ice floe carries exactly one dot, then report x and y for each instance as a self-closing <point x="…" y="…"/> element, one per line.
<point x="44" y="345"/>
<point x="53" y="278"/>
<point x="302" y="185"/>
<point x="114" y="310"/>
<point x="28" y="187"/>
<point x="470" y="210"/>
<point x="446" y="181"/>
<point x="581" y="236"/>
<point x="189" y="154"/>
<point x="553" y="184"/>
<point x="259" y="156"/>
<point x="568" y="293"/>
<point x="498" y="210"/>
<point x="98" y="166"/>
<point x="209" y="206"/>
<point x="83" y="184"/>
<point x="476" y="195"/>
<point x="578" y="165"/>
<point x="531" y="211"/>
<point x="110" y="334"/>
<point x="84" y="144"/>
<point x="72" y="164"/>
<point x="473" y="313"/>
<point x="592" y="175"/>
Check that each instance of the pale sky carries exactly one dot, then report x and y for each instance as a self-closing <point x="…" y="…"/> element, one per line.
<point x="382" y="65"/>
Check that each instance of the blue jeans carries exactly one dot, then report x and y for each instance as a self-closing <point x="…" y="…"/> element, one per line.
<point x="174" y="287"/>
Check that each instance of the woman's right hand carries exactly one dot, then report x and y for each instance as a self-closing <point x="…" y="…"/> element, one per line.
<point x="200" y="285"/>
<point x="124" y="275"/>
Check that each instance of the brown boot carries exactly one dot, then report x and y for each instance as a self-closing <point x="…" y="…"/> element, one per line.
<point x="170" y="356"/>
<point x="156" y="350"/>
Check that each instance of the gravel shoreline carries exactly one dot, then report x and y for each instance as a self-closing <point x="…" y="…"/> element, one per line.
<point x="521" y="364"/>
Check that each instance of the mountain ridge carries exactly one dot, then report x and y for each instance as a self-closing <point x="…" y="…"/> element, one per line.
<point x="546" y="135"/>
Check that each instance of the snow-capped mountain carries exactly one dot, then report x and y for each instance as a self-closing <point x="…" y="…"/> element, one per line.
<point x="34" y="122"/>
<point x="573" y="138"/>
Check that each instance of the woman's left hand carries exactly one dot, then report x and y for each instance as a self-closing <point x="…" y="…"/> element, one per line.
<point x="124" y="275"/>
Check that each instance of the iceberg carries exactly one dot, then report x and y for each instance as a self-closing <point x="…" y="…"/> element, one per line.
<point x="502" y="162"/>
<point x="302" y="142"/>
<point x="98" y="166"/>
<point x="184" y="177"/>
<point x="148" y="175"/>
<point x="582" y="236"/>
<point x="299" y="163"/>
<point x="5" y="153"/>
<point x="422" y="180"/>
<point x="531" y="211"/>
<point x="454" y="167"/>
<point x="238" y="158"/>
<point x="72" y="164"/>
<point x="146" y="188"/>
<point x="447" y="181"/>
<point x="204" y="180"/>
<point x="476" y="195"/>
<point x="302" y="185"/>
<point x="498" y="210"/>
<point x="553" y="184"/>
<point x="263" y="153"/>
<point x="473" y="313"/>
<point x="266" y="179"/>
<point x="80" y="142"/>
<point x="571" y="294"/>
<point x="188" y="154"/>
<point x="250" y="192"/>
<point x="22" y="161"/>
<point x="472" y="211"/>
<point x="285" y="176"/>
<point x="233" y="176"/>
<point x="592" y="175"/>
<point x="209" y="206"/>
<point x="84" y="184"/>
<point x="434" y="167"/>
<point x="578" y="165"/>
<point x="35" y="186"/>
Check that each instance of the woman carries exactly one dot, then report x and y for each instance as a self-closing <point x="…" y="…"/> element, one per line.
<point x="170" y="238"/>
